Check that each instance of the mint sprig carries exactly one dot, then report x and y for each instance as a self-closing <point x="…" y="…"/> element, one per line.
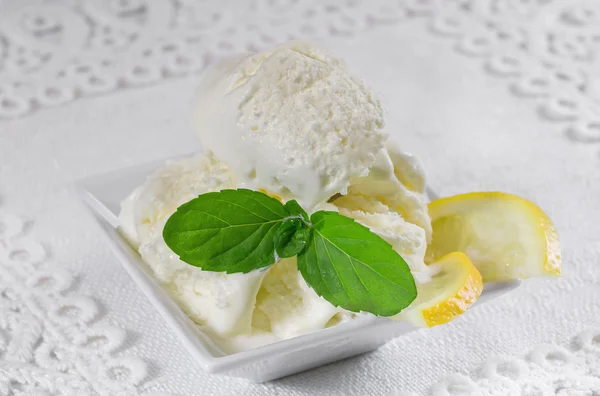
<point x="343" y="261"/>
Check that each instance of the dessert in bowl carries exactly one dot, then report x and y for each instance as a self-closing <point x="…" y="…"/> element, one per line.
<point x="300" y="215"/>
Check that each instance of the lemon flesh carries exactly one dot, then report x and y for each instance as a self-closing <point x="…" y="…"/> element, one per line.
<point x="505" y="236"/>
<point x="452" y="290"/>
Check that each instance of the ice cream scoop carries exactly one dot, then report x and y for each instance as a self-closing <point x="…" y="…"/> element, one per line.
<point x="291" y="120"/>
<point x="222" y="303"/>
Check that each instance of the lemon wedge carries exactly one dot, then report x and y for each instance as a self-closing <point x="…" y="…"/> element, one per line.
<point x="505" y="236"/>
<point x="451" y="291"/>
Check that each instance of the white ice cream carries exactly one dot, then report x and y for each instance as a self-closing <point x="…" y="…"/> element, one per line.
<point x="286" y="306"/>
<point x="220" y="302"/>
<point x="244" y="310"/>
<point x="293" y="122"/>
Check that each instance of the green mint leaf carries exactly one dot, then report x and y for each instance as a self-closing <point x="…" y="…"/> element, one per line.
<point x="353" y="268"/>
<point x="294" y="208"/>
<point x="292" y="237"/>
<point x="226" y="231"/>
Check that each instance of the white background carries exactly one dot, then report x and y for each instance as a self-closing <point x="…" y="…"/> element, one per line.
<point x="471" y="132"/>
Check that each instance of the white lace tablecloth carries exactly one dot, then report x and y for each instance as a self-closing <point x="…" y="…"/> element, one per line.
<point x="491" y="94"/>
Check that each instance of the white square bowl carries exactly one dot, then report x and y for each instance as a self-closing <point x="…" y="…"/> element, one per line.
<point x="103" y="194"/>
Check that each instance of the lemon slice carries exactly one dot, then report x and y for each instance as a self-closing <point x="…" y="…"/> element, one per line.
<point x="455" y="287"/>
<point x="506" y="237"/>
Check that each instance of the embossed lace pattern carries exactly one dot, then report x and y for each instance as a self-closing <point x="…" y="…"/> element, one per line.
<point x="546" y="370"/>
<point x="51" y="339"/>
<point x="52" y="53"/>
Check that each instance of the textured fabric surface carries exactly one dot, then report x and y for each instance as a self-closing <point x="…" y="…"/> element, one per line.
<point x="472" y="129"/>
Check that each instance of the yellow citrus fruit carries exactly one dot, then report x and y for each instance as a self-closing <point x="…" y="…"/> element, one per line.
<point x="505" y="236"/>
<point x="455" y="286"/>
